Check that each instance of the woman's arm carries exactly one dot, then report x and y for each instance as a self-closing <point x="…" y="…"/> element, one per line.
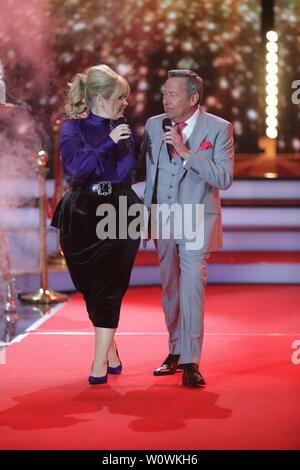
<point x="80" y="159"/>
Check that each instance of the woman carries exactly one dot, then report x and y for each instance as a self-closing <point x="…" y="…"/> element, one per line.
<point x="98" y="162"/>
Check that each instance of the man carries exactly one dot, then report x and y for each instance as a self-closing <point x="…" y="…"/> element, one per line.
<point x="186" y="164"/>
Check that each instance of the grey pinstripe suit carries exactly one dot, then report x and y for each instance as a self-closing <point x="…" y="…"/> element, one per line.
<point x="197" y="182"/>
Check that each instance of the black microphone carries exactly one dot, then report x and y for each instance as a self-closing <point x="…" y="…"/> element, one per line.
<point x="122" y="120"/>
<point x="168" y="122"/>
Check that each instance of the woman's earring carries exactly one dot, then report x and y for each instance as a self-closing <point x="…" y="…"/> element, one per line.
<point x="101" y="102"/>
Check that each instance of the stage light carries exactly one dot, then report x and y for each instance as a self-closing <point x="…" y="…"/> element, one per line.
<point x="272" y="81"/>
<point x="272" y="36"/>
<point x="271" y="132"/>
<point x="271" y="121"/>
<point x="272" y="47"/>
<point x="272" y="58"/>
<point x="296" y="144"/>
<point x="272" y="90"/>
<point x="272" y="68"/>
<point x="272" y="100"/>
<point x="271" y="111"/>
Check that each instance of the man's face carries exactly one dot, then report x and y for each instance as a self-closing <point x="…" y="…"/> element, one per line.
<point x="178" y="106"/>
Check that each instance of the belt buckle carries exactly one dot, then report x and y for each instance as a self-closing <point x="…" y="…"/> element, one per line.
<point x="104" y="188"/>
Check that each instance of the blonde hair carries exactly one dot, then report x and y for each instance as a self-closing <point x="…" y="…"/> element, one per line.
<point x="98" y="80"/>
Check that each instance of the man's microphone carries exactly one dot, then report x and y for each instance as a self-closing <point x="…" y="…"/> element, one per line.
<point x="168" y="122"/>
<point x="127" y="142"/>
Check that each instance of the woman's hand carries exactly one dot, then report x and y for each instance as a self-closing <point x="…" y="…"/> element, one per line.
<point x="120" y="132"/>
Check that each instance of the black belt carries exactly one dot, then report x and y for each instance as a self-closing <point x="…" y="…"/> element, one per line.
<point x="103" y="188"/>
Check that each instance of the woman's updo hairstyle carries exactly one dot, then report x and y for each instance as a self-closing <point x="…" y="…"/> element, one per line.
<point x="99" y="80"/>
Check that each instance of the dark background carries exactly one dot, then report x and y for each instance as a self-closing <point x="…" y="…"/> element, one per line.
<point x="43" y="43"/>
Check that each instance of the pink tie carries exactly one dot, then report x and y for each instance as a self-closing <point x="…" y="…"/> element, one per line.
<point x="180" y="126"/>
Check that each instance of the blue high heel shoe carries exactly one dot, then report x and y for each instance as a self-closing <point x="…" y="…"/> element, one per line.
<point x="115" y="370"/>
<point x="97" y="380"/>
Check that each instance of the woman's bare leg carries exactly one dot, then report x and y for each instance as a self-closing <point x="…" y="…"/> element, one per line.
<point x="113" y="357"/>
<point x="103" y="344"/>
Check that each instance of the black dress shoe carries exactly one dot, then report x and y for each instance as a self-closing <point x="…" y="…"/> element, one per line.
<point x="191" y="376"/>
<point x="169" y="366"/>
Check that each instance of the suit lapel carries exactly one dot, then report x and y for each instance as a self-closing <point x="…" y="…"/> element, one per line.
<point x="200" y="131"/>
<point x="157" y="142"/>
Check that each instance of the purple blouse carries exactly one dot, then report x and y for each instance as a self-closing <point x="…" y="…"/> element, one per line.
<point x="89" y="155"/>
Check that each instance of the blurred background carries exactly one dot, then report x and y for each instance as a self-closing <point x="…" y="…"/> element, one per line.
<point x="43" y="43"/>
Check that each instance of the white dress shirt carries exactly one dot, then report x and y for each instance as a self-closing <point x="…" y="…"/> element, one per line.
<point x="188" y="129"/>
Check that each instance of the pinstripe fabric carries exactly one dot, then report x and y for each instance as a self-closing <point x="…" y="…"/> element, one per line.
<point x="182" y="271"/>
<point x="183" y="280"/>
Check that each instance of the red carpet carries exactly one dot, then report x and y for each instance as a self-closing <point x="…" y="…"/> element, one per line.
<point x="251" y="400"/>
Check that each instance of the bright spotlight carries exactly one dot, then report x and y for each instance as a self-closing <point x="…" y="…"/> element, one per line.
<point x="271" y="84"/>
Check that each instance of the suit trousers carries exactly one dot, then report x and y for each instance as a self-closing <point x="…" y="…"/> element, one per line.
<point x="183" y="275"/>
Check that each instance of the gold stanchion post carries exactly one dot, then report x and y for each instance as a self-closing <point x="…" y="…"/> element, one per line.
<point x="57" y="258"/>
<point x="44" y="295"/>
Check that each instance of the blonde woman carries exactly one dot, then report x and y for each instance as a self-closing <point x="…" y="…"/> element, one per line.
<point x="98" y="157"/>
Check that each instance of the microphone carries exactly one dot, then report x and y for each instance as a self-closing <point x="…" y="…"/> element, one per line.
<point x="168" y="122"/>
<point x="122" y="120"/>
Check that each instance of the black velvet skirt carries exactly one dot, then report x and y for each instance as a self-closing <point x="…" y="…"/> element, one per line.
<point x="100" y="265"/>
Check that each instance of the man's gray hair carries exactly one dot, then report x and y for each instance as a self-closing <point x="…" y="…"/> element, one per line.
<point x="194" y="83"/>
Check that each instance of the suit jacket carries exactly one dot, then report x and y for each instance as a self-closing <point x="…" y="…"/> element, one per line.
<point x="204" y="173"/>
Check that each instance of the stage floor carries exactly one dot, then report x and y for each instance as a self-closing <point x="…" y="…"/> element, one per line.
<point x="251" y="363"/>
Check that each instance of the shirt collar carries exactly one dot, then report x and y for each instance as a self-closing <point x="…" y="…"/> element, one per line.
<point x="191" y="120"/>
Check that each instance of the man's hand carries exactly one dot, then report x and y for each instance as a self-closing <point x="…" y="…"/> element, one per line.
<point x="172" y="137"/>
